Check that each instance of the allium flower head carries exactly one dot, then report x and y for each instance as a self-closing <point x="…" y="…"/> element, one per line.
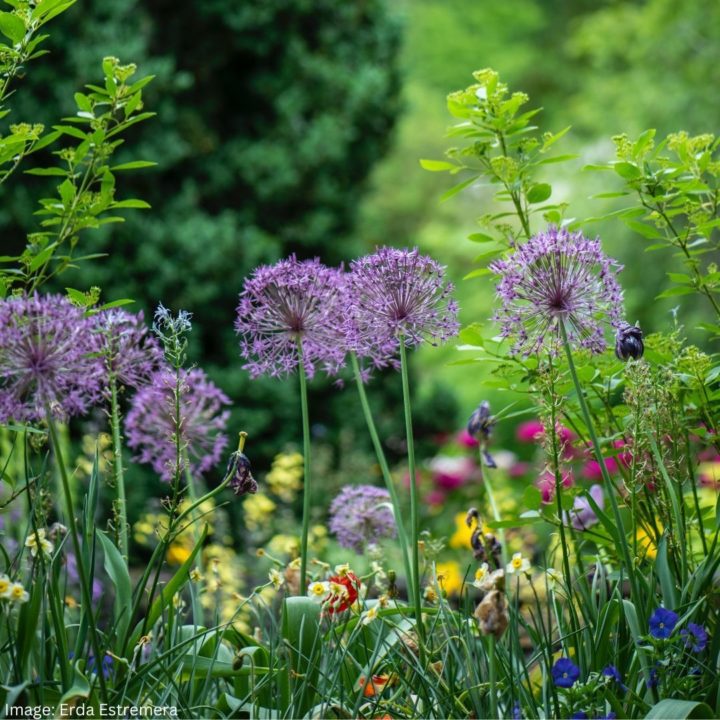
<point x="565" y="673"/>
<point x="394" y="293"/>
<point x="662" y="623"/>
<point x="47" y="359"/>
<point x="130" y="352"/>
<point x="150" y="424"/>
<point x="557" y="277"/>
<point x="289" y="303"/>
<point x="361" y="514"/>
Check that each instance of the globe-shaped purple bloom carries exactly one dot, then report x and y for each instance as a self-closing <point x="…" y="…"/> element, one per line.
<point x="150" y="424"/>
<point x="557" y="277"/>
<point x="565" y="673"/>
<point x="131" y="353"/>
<point x="394" y="294"/>
<point x="47" y="359"/>
<point x="662" y="623"/>
<point x="287" y="304"/>
<point x="360" y="515"/>
<point x="695" y="637"/>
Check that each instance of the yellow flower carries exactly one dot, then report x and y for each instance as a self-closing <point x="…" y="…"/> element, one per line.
<point x="18" y="594"/>
<point x="195" y="575"/>
<point x="286" y="475"/>
<point x="5" y="585"/>
<point x="284" y="545"/>
<point x="481" y="575"/>
<point x="256" y="509"/>
<point x="430" y="595"/>
<point x="178" y="553"/>
<point x="460" y="539"/>
<point x="646" y="542"/>
<point x="276" y="578"/>
<point x="318" y="591"/>
<point x="518" y="564"/>
<point x="449" y="577"/>
<point x="38" y="542"/>
<point x="369" y="615"/>
<point x="342" y="570"/>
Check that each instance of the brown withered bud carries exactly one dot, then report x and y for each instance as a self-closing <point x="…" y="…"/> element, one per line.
<point x="492" y="614"/>
<point x="392" y="591"/>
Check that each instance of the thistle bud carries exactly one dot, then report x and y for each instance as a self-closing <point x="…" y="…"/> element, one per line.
<point x="629" y="342"/>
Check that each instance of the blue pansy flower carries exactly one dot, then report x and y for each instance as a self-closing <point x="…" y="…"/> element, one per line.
<point x="565" y="673"/>
<point x="695" y="637"/>
<point x="662" y="623"/>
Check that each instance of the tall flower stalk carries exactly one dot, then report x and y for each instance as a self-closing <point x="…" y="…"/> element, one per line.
<point x="399" y="299"/>
<point x="290" y="318"/>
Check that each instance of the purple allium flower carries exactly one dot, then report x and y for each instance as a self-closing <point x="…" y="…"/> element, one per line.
<point x="47" y="359"/>
<point x="695" y="637"/>
<point x="394" y="293"/>
<point x="289" y="303"/>
<point x="555" y="277"/>
<point x="582" y="516"/>
<point x="150" y="423"/>
<point x="130" y="352"/>
<point x="565" y="673"/>
<point x="360" y="515"/>
<point x="662" y="623"/>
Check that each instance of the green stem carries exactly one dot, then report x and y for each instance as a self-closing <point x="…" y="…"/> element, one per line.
<point x="494" y="508"/>
<point x="73" y="529"/>
<point x="414" y="524"/>
<point x="609" y="485"/>
<point x="387" y="477"/>
<point x="492" y="673"/>
<point x="307" y="488"/>
<point x="119" y="472"/>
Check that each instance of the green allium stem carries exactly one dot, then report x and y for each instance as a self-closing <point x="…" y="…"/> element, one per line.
<point x="609" y="485"/>
<point x="387" y="477"/>
<point x="307" y="487"/>
<point x="73" y="529"/>
<point x="414" y="523"/>
<point x="119" y="472"/>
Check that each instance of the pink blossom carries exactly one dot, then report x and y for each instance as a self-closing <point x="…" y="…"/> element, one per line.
<point x="450" y="473"/>
<point x="530" y="431"/>
<point x="465" y="439"/>
<point x="546" y="484"/>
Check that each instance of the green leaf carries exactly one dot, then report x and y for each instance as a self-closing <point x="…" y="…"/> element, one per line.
<point x="675" y="291"/>
<point x="301" y="633"/>
<point x="135" y="165"/>
<point x="458" y="188"/>
<point x="12" y="27"/>
<point x="47" y="171"/>
<point x="42" y="257"/>
<point x="437" y="165"/>
<point x="79" y="689"/>
<point x="134" y="203"/>
<point x="671" y="709"/>
<point x="539" y="193"/>
<point x="117" y="571"/>
<point x="627" y="171"/>
<point x="481" y="238"/>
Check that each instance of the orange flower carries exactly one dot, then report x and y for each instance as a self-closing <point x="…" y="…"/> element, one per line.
<point x="373" y="687"/>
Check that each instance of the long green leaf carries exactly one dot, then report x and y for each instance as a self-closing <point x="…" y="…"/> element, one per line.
<point x="671" y="709"/>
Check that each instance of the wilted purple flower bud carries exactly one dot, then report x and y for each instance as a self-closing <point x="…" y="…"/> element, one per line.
<point x="360" y="515"/>
<point x="241" y="481"/>
<point x="151" y="423"/>
<point x="557" y="278"/>
<point x="48" y="359"/>
<point x="629" y="342"/>
<point x="481" y="422"/>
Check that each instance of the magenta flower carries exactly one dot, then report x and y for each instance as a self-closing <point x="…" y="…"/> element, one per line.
<point x="150" y="424"/>
<point x="361" y="515"/>
<point x="397" y="293"/>
<point x="557" y="277"/>
<point x="130" y="352"/>
<point x="530" y="431"/>
<point x="450" y="473"/>
<point x="286" y="304"/>
<point x="47" y="359"/>
<point x="546" y="484"/>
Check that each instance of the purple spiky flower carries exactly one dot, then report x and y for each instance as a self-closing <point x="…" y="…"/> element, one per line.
<point x="360" y="515"/>
<point x="130" y="352"/>
<point x="47" y="359"/>
<point x="150" y="425"/>
<point x="558" y="277"/>
<point x="396" y="294"/>
<point x="292" y="303"/>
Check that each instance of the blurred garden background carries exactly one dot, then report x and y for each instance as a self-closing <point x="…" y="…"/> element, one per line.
<point x="297" y="126"/>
